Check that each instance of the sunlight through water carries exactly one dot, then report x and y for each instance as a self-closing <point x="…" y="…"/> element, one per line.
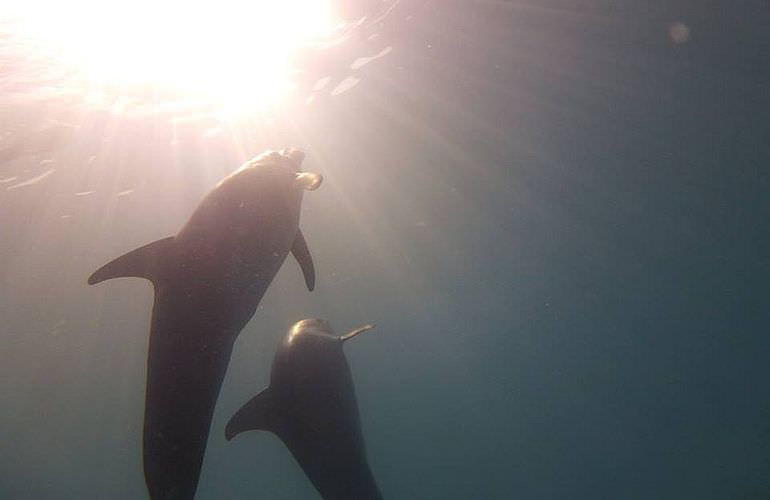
<point x="231" y="54"/>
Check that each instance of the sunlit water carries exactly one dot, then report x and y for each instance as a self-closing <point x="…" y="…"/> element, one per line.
<point x="556" y="213"/>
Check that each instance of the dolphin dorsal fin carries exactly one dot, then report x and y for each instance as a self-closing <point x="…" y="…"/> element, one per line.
<point x="143" y="262"/>
<point x="256" y="415"/>
<point x="302" y="254"/>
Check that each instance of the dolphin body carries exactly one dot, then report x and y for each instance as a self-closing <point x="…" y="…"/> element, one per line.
<point x="311" y="406"/>
<point x="208" y="281"/>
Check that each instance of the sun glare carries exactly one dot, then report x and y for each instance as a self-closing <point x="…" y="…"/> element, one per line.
<point x="232" y="53"/>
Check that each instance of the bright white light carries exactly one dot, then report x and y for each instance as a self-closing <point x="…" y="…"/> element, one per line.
<point x="236" y="53"/>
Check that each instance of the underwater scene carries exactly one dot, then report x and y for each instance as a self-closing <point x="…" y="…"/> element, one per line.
<point x="401" y="249"/>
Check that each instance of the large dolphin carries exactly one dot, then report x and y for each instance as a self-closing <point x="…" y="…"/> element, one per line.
<point x="208" y="281"/>
<point x="311" y="406"/>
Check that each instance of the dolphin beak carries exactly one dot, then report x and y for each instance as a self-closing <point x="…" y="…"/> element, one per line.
<point x="309" y="180"/>
<point x="360" y="329"/>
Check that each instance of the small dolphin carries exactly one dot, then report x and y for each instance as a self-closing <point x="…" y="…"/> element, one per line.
<point x="311" y="406"/>
<point x="208" y="281"/>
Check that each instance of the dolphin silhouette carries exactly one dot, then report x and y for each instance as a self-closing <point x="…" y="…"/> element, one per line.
<point x="208" y="281"/>
<point x="311" y="406"/>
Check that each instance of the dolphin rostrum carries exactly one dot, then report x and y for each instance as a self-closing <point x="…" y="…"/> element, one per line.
<point x="311" y="406"/>
<point x="208" y="281"/>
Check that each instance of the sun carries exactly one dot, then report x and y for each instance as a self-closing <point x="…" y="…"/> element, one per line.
<point x="235" y="53"/>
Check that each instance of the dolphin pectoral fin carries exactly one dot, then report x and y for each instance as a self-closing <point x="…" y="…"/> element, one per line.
<point x="142" y="262"/>
<point x="302" y="254"/>
<point x="256" y="415"/>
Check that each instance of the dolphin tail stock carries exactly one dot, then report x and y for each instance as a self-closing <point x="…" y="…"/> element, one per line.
<point x="142" y="262"/>
<point x="259" y="414"/>
<point x="300" y="252"/>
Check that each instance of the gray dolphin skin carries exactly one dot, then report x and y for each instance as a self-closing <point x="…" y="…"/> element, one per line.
<point x="311" y="406"/>
<point x="208" y="281"/>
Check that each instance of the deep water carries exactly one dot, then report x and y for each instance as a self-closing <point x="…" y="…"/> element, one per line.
<point x="556" y="212"/>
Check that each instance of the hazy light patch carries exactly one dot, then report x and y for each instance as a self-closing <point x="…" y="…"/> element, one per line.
<point x="385" y="13"/>
<point x="345" y="85"/>
<point x="190" y="118"/>
<point x="84" y="193"/>
<point x="63" y="123"/>
<point x="33" y="180"/>
<point x="8" y="179"/>
<point x="124" y="193"/>
<point x="321" y="83"/>
<point x="95" y="98"/>
<point x="58" y="328"/>
<point x="362" y="61"/>
<point x="212" y="132"/>
<point x="679" y="33"/>
<point x="234" y="55"/>
<point x="120" y="106"/>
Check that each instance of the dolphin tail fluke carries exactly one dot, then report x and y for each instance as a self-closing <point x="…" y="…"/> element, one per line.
<point x="256" y="415"/>
<point x="302" y="254"/>
<point x="143" y="262"/>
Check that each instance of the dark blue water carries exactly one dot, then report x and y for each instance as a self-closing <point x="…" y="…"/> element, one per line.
<point x="556" y="212"/>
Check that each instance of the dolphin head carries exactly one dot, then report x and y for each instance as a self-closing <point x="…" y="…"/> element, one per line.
<point x="321" y="331"/>
<point x="287" y="162"/>
<point x="311" y="346"/>
<point x="310" y="330"/>
<point x="278" y="168"/>
<point x="293" y="158"/>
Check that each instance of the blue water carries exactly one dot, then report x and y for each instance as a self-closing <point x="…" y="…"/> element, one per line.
<point x="556" y="212"/>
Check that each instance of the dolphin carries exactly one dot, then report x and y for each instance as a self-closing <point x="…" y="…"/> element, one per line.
<point x="208" y="281"/>
<point x="311" y="406"/>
